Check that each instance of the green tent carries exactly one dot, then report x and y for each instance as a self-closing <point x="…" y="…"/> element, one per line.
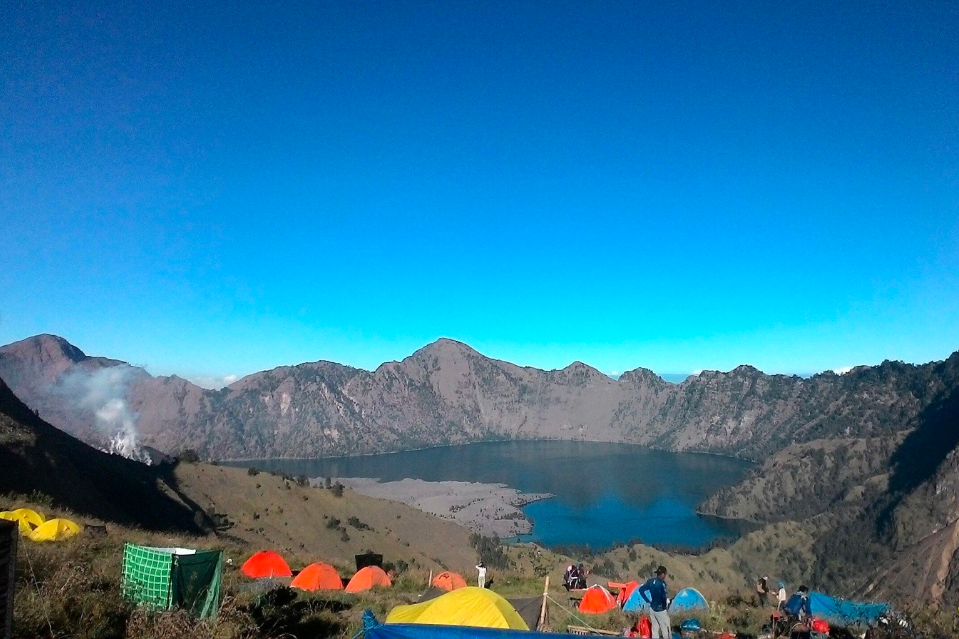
<point x="165" y="578"/>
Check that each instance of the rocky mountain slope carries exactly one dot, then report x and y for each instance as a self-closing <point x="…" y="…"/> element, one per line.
<point x="49" y="469"/>
<point x="37" y="459"/>
<point x="448" y="393"/>
<point x="865" y="465"/>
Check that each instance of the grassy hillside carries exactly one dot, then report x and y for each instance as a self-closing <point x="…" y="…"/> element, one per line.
<point x="307" y="524"/>
<point x="37" y="458"/>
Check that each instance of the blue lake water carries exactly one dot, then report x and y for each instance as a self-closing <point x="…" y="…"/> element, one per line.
<point x="605" y="493"/>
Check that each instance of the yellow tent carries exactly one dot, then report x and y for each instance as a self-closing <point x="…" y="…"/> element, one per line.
<point x="55" y="530"/>
<point x="468" y="606"/>
<point x="28" y="519"/>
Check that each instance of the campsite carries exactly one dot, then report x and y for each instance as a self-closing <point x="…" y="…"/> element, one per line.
<point x="233" y="552"/>
<point x="215" y="588"/>
<point x="378" y="319"/>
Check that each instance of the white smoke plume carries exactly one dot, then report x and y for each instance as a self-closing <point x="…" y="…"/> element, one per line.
<point x="103" y="392"/>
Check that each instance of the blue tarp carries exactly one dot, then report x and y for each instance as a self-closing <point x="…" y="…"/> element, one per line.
<point x="373" y="629"/>
<point x="839" y="612"/>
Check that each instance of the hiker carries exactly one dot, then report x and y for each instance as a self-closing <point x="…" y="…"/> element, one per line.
<point x="481" y="575"/>
<point x="575" y="577"/>
<point x="656" y="594"/>
<point x="781" y="596"/>
<point x="798" y="605"/>
<point x="579" y="578"/>
<point x="762" y="590"/>
<point x="797" y="612"/>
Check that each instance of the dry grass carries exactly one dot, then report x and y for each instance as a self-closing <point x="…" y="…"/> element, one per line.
<point x="72" y="589"/>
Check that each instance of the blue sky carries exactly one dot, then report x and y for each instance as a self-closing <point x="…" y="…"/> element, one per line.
<point x="213" y="189"/>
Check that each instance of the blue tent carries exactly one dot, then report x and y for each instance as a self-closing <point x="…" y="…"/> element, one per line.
<point x="635" y="602"/>
<point x="686" y="600"/>
<point x="689" y="600"/>
<point x="839" y="612"/>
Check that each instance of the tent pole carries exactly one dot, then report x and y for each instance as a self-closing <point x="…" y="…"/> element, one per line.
<point x="543" y="612"/>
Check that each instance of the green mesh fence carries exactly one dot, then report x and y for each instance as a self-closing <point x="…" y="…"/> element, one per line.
<point x="160" y="579"/>
<point x="146" y="576"/>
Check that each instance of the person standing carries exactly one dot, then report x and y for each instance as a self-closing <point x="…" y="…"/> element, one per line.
<point x="762" y="591"/>
<point x="481" y="575"/>
<point x="656" y="594"/>
<point x="781" y="596"/>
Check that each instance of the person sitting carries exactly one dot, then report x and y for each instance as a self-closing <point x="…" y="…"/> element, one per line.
<point x="569" y="577"/>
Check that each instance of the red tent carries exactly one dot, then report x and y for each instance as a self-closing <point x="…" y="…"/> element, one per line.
<point x="367" y="578"/>
<point x="318" y="577"/>
<point x="625" y="590"/>
<point x="266" y="563"/>
<point x="449" y="581"/>
<point x="596" y="600"/>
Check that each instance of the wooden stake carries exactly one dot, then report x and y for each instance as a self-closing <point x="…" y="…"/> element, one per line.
<point x="543" y="611"/>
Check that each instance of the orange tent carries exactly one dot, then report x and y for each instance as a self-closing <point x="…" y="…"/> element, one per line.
<point x="449" y="581"/>
<point x="625" y="590"/>
<point x="266" y="563"/>
<point x="596" y="600"/>
<point x="318" y="577"/>
<point x="367" y="578"/>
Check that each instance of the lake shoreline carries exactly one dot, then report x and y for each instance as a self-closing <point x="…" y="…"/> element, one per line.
<point x="242" y="460"/>
<point x="605" y="492"/>
<point x="486" y="509"/>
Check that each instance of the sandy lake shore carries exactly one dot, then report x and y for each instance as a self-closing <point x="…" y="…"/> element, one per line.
<point x="487" y="509"/>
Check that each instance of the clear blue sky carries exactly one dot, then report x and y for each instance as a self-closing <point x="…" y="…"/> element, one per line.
<point x="217" y="188"/>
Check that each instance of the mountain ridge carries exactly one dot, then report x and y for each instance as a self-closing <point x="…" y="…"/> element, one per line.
<point x="866" y="461"/>
<point x="447" y="392"/>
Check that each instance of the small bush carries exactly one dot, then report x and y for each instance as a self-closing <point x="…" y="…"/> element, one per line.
<point x="356" y="523"/>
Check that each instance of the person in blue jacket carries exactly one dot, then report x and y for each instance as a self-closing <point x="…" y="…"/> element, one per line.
<point x="798" y="605"/>
<point x="656" y="594"/>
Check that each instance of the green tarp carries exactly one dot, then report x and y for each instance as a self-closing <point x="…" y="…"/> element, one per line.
<point x="165" y="578"/>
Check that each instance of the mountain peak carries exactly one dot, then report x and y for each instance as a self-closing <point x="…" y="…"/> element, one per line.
<point x="44" y="348"/>
<point x="446" y="346"/>
<point x="638" y="375"/>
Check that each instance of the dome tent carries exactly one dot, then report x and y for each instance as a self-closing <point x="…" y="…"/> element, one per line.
<point x="266" y="563"/>
<point x="367" y="578"/>
<point x="55" y="530"/>
<point x="689" y="600"/>
<point x="635" y="602"/>
<point x="470" y="606"/>
<point x="625" y="590"/>
<point x="27" y="519"/>
<point x="686" y="600"/>
<point x="449" y="581"/>
<point x="597" y="600"/>
<point x="318" y="576"/>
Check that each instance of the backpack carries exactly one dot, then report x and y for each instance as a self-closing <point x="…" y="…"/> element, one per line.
<point x="645" y="627"/>
<point x="795" y="605"/>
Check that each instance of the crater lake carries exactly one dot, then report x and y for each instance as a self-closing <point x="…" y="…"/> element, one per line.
<point x="605" y="493"/>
